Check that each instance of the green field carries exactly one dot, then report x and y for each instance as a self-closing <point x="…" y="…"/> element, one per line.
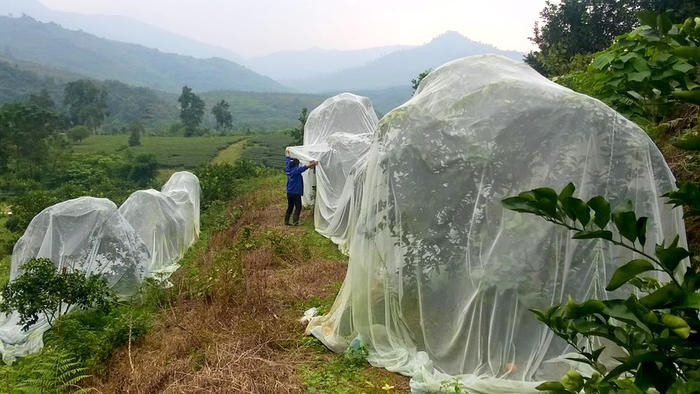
<point x="173" y="152"/>
<point x="231" y="154"/>
<point x="267" y="149"/>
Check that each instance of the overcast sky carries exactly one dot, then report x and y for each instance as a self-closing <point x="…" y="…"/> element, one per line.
<point x="255" y="27"/>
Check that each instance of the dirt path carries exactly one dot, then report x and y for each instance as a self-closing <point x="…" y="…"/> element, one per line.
<point x="231" y="321"/>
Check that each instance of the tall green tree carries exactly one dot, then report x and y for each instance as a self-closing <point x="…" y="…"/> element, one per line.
<point x="136" y="130"/>
<point x="191" y="110"/>
<point x="224" y="119"/>
<point x="24" y="129"/>
<point x="577" y="27"/>
<point x="86" y="103"/>
<point x="573" y="27"/>
<point x="677" y="10"/>
<point x="298" y="132"/>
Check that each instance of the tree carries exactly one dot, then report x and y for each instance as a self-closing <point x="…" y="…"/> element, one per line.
<point x="78" y="133"/>
<point x="572" y="27"/>
<point x="415" y="82"/>
<point x="42" y="99"/>
<point x="298" y="133"/>
<point x="24" y="129"/>
<point x="41" y="289"/>
<point x="136" y="129"/>
<point x="224" y="119"/>
<point x="677" y="10"/>
<point x="86" y="103"/>
<point x="143" y="169"/>
<point x="191" y="110"/>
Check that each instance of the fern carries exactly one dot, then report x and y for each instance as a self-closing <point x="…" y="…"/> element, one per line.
<point x="56" y="372"/>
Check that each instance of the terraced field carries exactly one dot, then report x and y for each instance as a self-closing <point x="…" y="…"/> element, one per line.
<point x="267" y="149"/>
<point x="173" y="152"/>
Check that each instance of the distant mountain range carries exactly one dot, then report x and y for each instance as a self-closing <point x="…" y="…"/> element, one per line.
<point x="398" y="68"/>
<point x="49" y="44"/>
<point x="118" y="28"/>
<point x="307" y="63"/>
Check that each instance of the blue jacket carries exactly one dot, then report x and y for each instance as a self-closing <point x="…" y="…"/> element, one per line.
<point x="295" y="184"/>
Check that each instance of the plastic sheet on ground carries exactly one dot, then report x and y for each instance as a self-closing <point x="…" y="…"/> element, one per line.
<point x="145" y="237"/>
<point x="440" y="276"/>
<point x="338" y="134"/>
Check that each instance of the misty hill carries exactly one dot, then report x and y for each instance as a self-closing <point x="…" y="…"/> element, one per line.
<point x="18" y="80"/>
<point x="254" y="111"/>
<point x="118" y="28"/>
<point x="78" y="52"/>
<point x="293" y="65"/>
<point x="398" y="68"/>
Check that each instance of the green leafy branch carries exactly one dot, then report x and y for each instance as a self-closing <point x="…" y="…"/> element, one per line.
<point x="659" y="331"/>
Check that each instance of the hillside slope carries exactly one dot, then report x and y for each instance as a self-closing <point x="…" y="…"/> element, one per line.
<point x="78" y="52"/>
<point x="126" y="103"/>
<point x="231" y="323"/>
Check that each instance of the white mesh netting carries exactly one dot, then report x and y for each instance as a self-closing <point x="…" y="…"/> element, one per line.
<point x="145" y="237"/>
<point x="440" y="276"/>
<point x="338" y="134"/>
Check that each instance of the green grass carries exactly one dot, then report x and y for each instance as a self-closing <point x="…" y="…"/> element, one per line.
<point x="175" y="152"/>
<point x="231" y="154"/>
<point x="267" y="149"/>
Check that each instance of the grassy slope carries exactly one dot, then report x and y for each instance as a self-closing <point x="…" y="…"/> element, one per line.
<point x="232" y="324"/>
<point x="175" y="152"/>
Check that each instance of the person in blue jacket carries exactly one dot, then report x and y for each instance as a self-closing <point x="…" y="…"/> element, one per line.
<point x="295" y="186"/>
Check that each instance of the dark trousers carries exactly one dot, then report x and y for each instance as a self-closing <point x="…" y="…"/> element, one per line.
<point x="293" y="203"/>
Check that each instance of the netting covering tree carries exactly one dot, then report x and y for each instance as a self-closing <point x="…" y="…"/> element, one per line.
<point x="160" y="225"/>
<point x="338" y="134"/>
<point x="145" y="237"/>
<point x="441" y="276"/>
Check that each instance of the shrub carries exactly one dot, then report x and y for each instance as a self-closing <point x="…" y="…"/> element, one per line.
<point x="26" y="206"/>
<point x="659" y="332"/>
<point x="43" y="290"/>
<point x="221" y="181"/>
<point x="649" y="69"/>
<point x="136" y="129"/>
<point x="143" y="169"/>
<point x="78" y="133"/>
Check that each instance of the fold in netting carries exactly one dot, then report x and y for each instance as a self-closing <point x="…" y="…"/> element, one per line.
<point x="440" y="276"/>
<point x="144" y="238"/>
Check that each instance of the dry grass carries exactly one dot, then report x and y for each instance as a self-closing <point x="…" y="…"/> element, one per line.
<point x="241" y="333"/>
<point x="685" y="164"/>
